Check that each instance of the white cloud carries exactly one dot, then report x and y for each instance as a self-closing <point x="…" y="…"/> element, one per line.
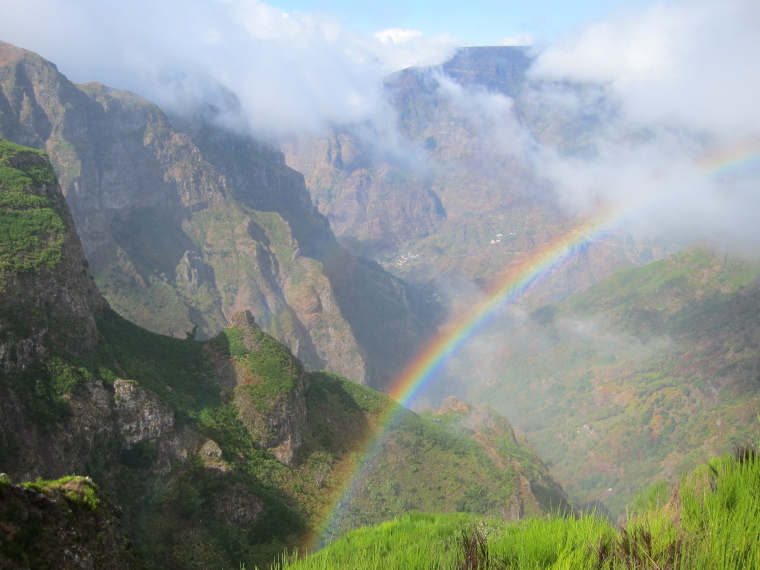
<point x="293" y="72"/>
<point x="397" y="35"/>
<point x="263" y="22"/>
<point x="672" y="84"/>
<point x="692" y="63"/>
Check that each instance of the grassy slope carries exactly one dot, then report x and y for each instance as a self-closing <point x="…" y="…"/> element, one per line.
<point x="710" y="521"/>
<point x="424" y="466"/>
<point x="31" y="231"/>
<point x="643" y="376"/>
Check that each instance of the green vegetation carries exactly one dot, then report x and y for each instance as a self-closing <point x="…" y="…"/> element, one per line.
<point x="175" y="369"/>
<point x="424" y="464"/>
<point x="45" y="390"/>
<point x="31" y="230"/>
<point x="710" y="521"/>
<point x="644" y="375"/>
<point x="78" y="491"/>
<point x="271" y="371"/>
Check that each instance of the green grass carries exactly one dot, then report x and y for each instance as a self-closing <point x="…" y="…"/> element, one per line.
<point x="32" y="231"/>
<point x="710" y="521"/>
<point x="271" y="369"/>
<point x="78" y="491"/>
<point x="176" y="369"/>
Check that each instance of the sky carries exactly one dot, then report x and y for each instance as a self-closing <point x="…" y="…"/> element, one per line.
<point x="476" y="22"/>
<point x="315" y="48"/>
<point x="681" y="75"/>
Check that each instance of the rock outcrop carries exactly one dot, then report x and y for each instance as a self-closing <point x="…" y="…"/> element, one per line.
<point x="272" y="409"/>
<point x="141" y="415"/>
<point x="63" y="524"/>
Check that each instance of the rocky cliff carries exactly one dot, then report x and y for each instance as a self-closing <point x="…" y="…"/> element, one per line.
<point x="465" y="199"/>
<point x="184" y="223"/>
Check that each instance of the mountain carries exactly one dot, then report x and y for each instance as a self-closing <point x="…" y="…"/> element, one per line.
<point x="184" y="223"/>
<point x="638" y="379"/>
<point x="463" y="196"/>
<point x="219" y="452"/>
<point x="643" y="370"/>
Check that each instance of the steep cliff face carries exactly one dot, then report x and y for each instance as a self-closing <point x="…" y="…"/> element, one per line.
<point x="182" y="228"/>
<point x="374" y="207"/>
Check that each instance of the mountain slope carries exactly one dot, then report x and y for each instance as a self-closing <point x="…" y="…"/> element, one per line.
<point x="641" y="377"/>
<point x="182" y="228"/>
<point x="709" y="521"/>
<point x="219" y="452"/>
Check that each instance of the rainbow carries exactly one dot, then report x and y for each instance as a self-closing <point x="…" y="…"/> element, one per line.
<point x="521" y="274"/>
<point x="732" y="161"/>
<point x="514" y="282"/>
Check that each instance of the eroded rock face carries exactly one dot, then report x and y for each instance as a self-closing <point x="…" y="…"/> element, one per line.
<point x="191" y="273"/>
<point x="243" y="319"/>
<point x="238" y="505"/>
<point x="38" y="451"/>
<point x="141" y="415"/>
<point x="287" y="422"/>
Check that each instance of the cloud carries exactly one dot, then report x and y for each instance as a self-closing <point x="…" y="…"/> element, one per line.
<point x="397" y="36"/>
<point x="692" y="63"/>
<point x="489" y="116"/>
<point x="293" y="72"/>
<point x="642" y="97"/>
<point x="650" y="96"/>
<point x="400" y="49"/>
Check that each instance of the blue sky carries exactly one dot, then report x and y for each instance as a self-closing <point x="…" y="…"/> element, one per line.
<point x="476" y="22"/>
